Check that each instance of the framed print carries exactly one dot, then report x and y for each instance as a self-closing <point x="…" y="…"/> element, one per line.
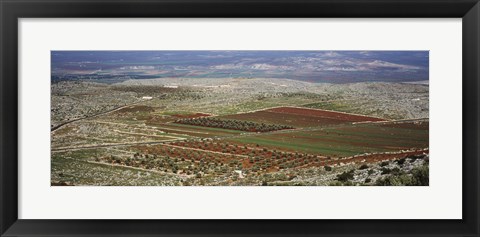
<point x="239" y="118"/>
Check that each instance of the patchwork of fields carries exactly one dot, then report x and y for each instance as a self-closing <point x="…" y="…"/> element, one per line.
<point x="145" y="139"/>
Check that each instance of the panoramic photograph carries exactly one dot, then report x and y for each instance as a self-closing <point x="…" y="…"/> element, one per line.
<point x="239" y="118"/>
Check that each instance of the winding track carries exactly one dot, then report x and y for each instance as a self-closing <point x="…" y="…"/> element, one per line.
<point x="54" y="128"/>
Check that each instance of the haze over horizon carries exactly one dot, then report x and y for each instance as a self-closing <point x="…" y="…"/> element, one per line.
<point x="311" y="66"/>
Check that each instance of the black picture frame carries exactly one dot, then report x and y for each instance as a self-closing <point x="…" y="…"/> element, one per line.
<point x="12" y="10"/>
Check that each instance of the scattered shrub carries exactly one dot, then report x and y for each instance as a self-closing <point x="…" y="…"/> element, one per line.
<point x="346" y="176"/>
<point x="401" y="161"/>
<point x="418" y="177"/>
<point x="364" y="166"/>
<point x="386" y="170"/>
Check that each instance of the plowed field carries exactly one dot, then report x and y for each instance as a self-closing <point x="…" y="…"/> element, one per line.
<point x="299" y="117"/>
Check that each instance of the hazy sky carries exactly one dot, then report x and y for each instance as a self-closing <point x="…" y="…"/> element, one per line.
<point x="315" y="66"/>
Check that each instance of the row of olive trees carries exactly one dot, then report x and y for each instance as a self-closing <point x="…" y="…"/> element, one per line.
<point x="233" y="124"/>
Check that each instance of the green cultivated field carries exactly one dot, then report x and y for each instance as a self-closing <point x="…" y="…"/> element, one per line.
<point x="345" y="140"/>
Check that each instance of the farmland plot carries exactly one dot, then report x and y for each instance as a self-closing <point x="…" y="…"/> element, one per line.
<point x="299" y="117"/>
<point x="346" y="140"/>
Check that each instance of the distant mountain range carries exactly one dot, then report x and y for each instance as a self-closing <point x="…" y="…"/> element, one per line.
<point x="312" y="66"/>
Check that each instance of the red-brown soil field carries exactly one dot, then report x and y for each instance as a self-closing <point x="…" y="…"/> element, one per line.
<point x="324" y="114"/>
<point x="299" y="117"/>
